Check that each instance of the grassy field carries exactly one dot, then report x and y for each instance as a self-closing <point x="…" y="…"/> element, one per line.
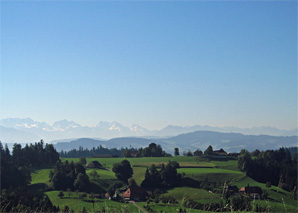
<point x="278" y="197"/>
<point x="228" y="164"/>
<point x="139" y="174"/>
<point x="186" y="192"/>
<point x="40" y="176"/>
<point x="188" y="161"/>
<point x="215" y="176"/>
<point x="103" y="174"/>
<point x="201" y="170"/>
<point x="77" y="204"/>
<point x="160" y="207"/>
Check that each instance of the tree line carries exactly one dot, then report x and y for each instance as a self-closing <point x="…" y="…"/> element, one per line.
<point x="153" y="150"/>
<point x="81" y="152"/>
<point x="16" y="195"/>
<point x="69" y="176"/>
<point x="274" y="166"/>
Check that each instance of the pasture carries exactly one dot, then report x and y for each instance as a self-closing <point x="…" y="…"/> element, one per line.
<point x="181" y="193"/>
<point x="40" y="176"/>
<point x="76" y="204"/>
<point x="199" y="169"/>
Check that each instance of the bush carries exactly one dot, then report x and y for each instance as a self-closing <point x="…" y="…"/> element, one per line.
<point x="83" y="195"/>
<point x="61" y="194"/>
<point x="207" y="186"/>
<point x="268" y="184"/>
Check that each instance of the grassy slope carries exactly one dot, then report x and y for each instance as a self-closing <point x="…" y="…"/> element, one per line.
<point x="77" y="204"/>
<point x="189" y="161"/>
<point x="40" y="176"/>
<point x="103" y="174"/>
<point x="186" y="192"/>
<point x="139" y="174"/>
<point x="278" y="197"/>
<point x="223" y="170"/>
<point x="160" y="207"/>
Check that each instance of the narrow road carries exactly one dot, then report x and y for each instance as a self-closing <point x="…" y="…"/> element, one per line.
<point x="134" y="203"/>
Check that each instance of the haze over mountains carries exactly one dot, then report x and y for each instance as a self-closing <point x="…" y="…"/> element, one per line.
<point x="22" y="130"/>
<point x="231" y="142"/>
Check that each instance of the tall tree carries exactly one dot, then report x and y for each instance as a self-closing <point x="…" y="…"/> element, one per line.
<point x="123" y="170"/>
<point x="176" y="151"/>
<point x="83" y="160"/>
<point x="208" y="151"/>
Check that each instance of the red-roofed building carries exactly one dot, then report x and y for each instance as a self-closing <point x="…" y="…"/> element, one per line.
<point x="136" y="193"/>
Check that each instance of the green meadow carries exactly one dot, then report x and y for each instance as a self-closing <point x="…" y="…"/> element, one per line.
<point x="181" y="193"/>
<point x="40" y="176"/>
<point x="196" y="168"/>
<point x="76" y="204"/>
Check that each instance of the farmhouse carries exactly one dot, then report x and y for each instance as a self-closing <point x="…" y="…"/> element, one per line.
<point x="254" y="192"/>
<point x="198" y="153"/>
<point x="93" y="165"/>
<point x="136" y="193"/>
<point x="234" y="154"/>
<point x="219" y="154"/>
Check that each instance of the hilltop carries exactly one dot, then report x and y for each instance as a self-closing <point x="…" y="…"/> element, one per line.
<point x="231" y="142"/>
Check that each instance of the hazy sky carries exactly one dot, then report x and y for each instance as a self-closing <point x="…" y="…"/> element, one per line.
<point x="150" y="63"/>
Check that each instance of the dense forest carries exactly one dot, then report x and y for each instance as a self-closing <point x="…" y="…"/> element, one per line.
<point x="16" y="195"/>
<point x="69" y="176"/>
<point x="274" y="166"/>
<point x="81" y="152"/>
<point x="165" y="177"/>
<point x="152" y="150"/>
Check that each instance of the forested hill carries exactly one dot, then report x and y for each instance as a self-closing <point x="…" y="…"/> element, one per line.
<point x="112" y="143"/>
<point x="231" y="142"/>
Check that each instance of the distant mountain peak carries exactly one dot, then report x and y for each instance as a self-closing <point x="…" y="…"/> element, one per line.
<point x="65" y="124"/>
<point x="64" y="129"/>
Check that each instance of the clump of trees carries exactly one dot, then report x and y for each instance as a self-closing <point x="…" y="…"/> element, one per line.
<point x="81" y="152"/>
<point x="15" y="168"/>
<point x="22" y="200"/>
<point x="112" y="188"/>
<point x="152" y="150"/>
<point x="208" y="151"/>
<point x="34" y="155"/>
<point x="166" y="177"/>
<point x="69" y="175"/>
<point x="123" y="170"/>
<point x="274" y="166"/>
<point x="176" y="151"/>
<point x="15" y="176"/>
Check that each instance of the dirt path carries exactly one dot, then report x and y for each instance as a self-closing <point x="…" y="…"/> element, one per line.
<point x="134" y="203"/>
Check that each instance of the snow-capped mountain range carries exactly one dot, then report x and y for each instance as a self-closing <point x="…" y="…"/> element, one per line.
<point x="24" y="130"/>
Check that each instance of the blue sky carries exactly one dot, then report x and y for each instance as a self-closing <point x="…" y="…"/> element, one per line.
<point x="150" y="63"/>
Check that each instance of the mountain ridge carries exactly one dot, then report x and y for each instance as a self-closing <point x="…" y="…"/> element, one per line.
<point x="231" y="142"/>
<point x="65" y="129"/>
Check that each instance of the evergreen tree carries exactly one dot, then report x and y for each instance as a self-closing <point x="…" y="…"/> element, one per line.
<point x="208" y="151"/>
<point x="176" y="151"/>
